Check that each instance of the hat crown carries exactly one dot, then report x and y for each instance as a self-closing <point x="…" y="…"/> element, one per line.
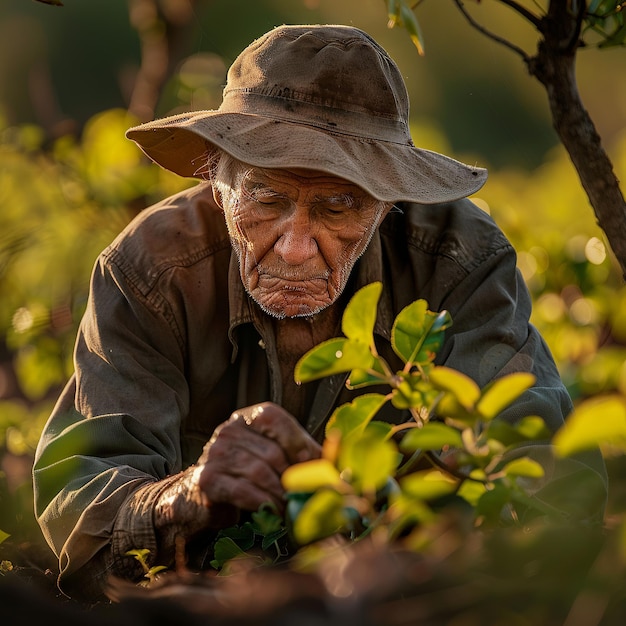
<point x="334" y="77"/>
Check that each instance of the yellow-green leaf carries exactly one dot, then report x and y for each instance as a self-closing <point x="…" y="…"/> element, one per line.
<point x="353" y="417"/>
<point x="432" y="436"/>
<point x="321" y="516"/>
<point x="499" y="394"/>
<point x="595" y="422"/>
<point x="533" y="427"/>
<point x="310" y="476"/>
<point x="393" y="12"/>
<point x="464" y="389"/>
<point x="524" y="467"/>
<point x="417" y="333"/>
<point x="375" y="375"/>
<point x="332" y="357"/>
<point x="360" y="314"/>
<point x="428" y="485"/>
<point x="412" y="26"/>
<point x="472" y="490"/>
<point x="370" y="460"/>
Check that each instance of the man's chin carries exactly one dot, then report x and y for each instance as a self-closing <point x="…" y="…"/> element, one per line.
<point x="291" y="305"/>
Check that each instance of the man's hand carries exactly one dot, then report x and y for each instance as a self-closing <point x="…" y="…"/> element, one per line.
<point x="242" y="463"/>
<point x="240" y="468"/>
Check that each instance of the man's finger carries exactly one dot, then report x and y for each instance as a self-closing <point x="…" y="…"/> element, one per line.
<point x="274" y="422"/>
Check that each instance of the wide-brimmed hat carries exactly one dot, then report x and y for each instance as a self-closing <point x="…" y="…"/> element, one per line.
<point x="319" y="97"/>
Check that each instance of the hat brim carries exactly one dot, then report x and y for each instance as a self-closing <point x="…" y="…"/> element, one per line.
<point x="388" y="171"/>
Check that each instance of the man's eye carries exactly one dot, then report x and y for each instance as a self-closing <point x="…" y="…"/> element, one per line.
<point x="269" y="201"/>
<point x="333" y="211"/>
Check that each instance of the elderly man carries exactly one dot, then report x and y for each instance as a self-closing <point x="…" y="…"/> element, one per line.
<point x="183" y="410"/>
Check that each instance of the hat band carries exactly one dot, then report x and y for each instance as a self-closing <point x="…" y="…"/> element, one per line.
<point x="361" y="125"/>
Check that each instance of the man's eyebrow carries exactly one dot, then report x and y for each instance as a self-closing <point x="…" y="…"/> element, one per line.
<point x="253" y="188"/>
<point x="347" y="199"/>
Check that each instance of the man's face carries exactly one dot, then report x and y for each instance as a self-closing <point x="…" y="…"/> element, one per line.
<point x="297" y="234"/>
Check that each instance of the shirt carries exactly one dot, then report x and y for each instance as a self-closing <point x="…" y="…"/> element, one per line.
<point x="170" y="345"/>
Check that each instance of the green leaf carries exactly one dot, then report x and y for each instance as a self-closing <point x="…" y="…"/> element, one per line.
<point x="528" y="428"/>
<point x="266" y="520"/>
<point x="502" y="392"/>
<point x="310" y="476"/>
<point x="139" y="554"/>
<point x="332" y="357"/>
<point x="360" y="314"/>
<point x="352" y="417"/>
<point x="242" y="535"/>
<point x="364" y="378"/>
<point x="464" y="389"/>
<point x="400" y="14"/>
<point x="380" y="430"/>
<point x="407" y="511"/>
<point x="409" y="329"/>
<point x="409" y="21"/>
<point x="417" y="333"/>
<point x="533" y="427"/>
<point x="489" y="506"/>
<point x="472" y="490"/>
<point x="155" y="570"/>
<point x="225" y="549"/>
<point x="599" y="421"/>
<point x="393" y="13"/>
<point x="593" y="5"/>
<point x="272" y="538"/>
<point x="432" y="436"/>
<point x="370" y="460"/>
<point x="524" y="467"/>
<point x="428" y="485"/>
<point x="321" y="516"/>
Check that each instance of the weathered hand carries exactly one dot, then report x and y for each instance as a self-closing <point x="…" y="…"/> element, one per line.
<point x="242" y="463"/>
<point x="239" y="468"/>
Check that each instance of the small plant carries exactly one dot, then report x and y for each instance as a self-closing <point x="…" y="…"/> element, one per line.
<point x="262" y="538"/>
<point x="5" y="565"/>
<point x="150" y="573"/>
<point x="395" y="480"/>
<point x="391" y="478"/>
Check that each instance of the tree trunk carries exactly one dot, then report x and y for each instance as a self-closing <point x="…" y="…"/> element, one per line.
<point x="554" y="67"/>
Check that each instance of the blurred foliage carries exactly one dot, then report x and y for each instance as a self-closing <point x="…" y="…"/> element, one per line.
<point x="576" y="283"/>
<point x="62" y="204"/>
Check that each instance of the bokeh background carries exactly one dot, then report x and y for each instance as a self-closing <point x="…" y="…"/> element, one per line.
<point x="71" y="82"/>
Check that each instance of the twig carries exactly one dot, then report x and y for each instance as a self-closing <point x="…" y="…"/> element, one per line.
<point x="524" y="12"/>
<point x="496" y="38"/>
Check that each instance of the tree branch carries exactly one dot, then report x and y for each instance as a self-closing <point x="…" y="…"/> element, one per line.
<point x="489" y="34"/>
<point x="523" y="11"/>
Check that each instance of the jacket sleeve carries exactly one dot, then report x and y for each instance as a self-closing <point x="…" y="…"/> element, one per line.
<point x="115" y="428"/>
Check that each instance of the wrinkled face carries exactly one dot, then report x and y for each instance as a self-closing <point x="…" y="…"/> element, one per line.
<point x="297" y="234"/>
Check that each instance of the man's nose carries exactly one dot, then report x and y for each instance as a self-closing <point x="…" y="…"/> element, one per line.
<point x="296" y="243"/>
